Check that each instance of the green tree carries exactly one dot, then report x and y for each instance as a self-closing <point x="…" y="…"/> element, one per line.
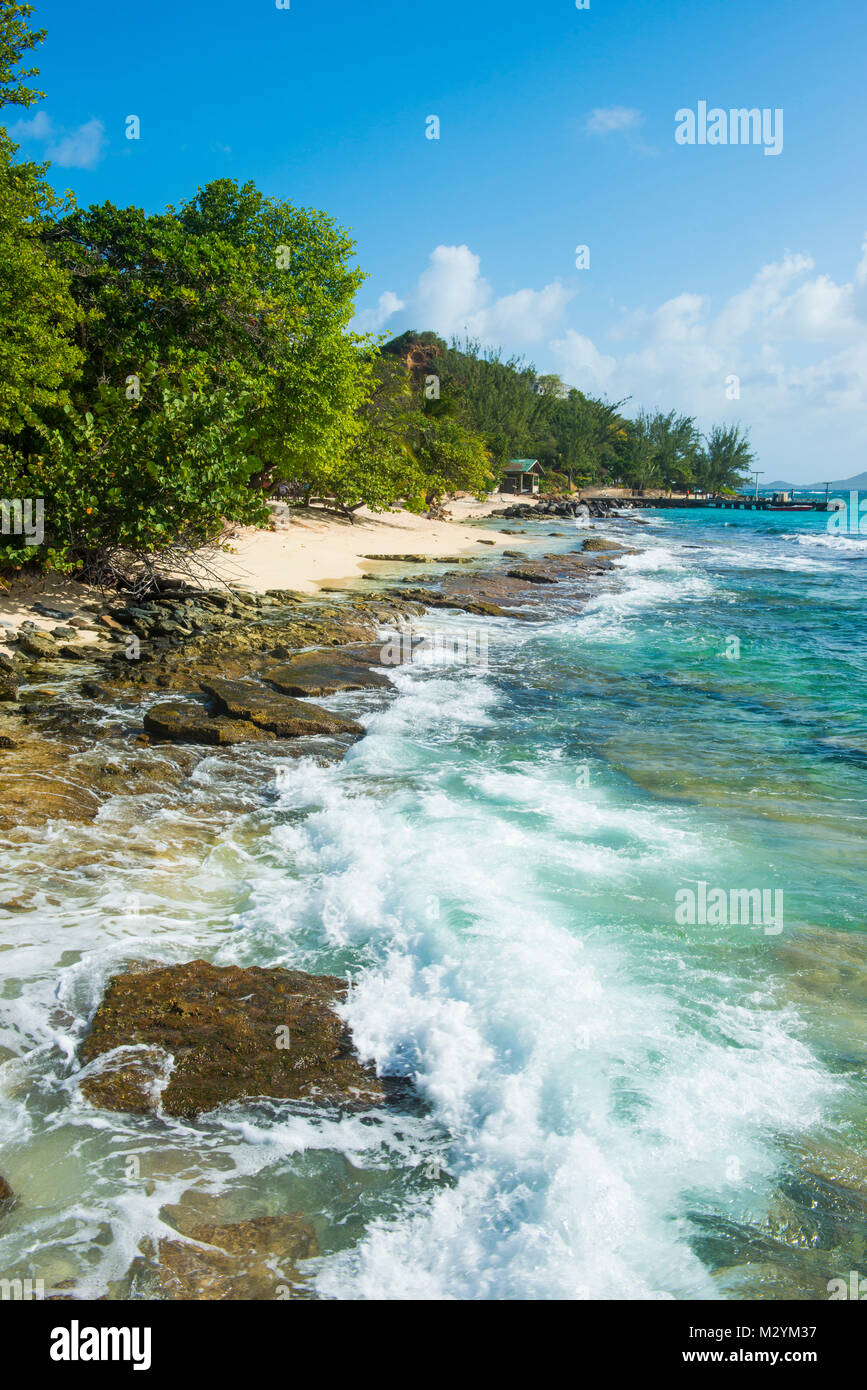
<point x="216" y="356"/>
<point x="37" y="313"/>
<point x="659" y="450"/>
<point x="588" y="433"/>
<point x="725" y="460"/>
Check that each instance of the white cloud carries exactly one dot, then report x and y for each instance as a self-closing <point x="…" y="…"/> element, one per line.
<point x="80" y="148"/>
<point x="452" y="297"/>
<point x="795" y="338"/>
<point x="373" y="320"/>
<point x="451" y="290"/>
<point x="39" y="127"/>
<point x="605" y="119"/>
<point x="525" y="316"/>
<point x="581" y="363"/>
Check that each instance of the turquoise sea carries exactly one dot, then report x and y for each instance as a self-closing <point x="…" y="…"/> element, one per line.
<point x="609" y="1103"/>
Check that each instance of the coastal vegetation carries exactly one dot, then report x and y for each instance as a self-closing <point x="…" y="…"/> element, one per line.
<point x="164" y="373"/>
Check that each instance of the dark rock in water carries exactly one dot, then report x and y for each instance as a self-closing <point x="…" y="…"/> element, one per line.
<point x="233" y="1034"/>
<point x="282" y="715"/>
<point x="79" y="652"/>
<point x="327" y="670"/>
<point x="183" y="721"/>
<point x="8" y="685"/>
<point x="597" y="543"/>
<point x="37" y="644"/>
<point x="242" y="1261"/>
<point x="6" y="1193"/>
<point x="95" y="691"/>
<point x="531" y="576"/>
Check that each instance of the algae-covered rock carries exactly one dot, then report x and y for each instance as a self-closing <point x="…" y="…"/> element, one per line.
<point x="325" y="671"/>
<point x="8" y="685"/>
<point x="6" y="1193"/>
<point x="184" y="721"/>
<point x="597" y="543"/>
<point x="531" y="576"/>
<point x="42" y="783"/>
<point x="245" y="1260"/>
<point x="282" y="715"/>
<point x="232" y="1034"/>
<point x="37" y="644"/>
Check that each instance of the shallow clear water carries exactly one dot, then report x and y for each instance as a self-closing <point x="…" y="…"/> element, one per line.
<point x="612" y="1103"/>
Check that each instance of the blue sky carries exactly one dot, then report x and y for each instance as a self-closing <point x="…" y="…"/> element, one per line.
<point x="556" y="130"/>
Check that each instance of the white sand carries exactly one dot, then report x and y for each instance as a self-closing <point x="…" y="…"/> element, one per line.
<point x="307" y="551"/>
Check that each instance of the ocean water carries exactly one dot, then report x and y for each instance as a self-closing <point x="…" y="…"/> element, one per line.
<point x="611" y="1102"/>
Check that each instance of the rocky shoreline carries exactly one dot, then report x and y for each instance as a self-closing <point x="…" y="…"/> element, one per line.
<point x="193" y="671"/>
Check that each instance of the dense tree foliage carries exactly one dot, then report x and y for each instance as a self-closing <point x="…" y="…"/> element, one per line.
<point x="725" y="460"/>
<point x="578" y="438"/>
<point x="37" y="313"/>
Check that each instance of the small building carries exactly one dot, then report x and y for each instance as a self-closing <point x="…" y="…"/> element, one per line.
<point x="521" y="475"/>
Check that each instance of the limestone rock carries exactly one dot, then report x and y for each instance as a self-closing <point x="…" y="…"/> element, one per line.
<point x="37" y="644"/>
<point x="324" y="671"/>
<point x="282" y="715"/>
<point x="233" y="1034"/>
<point x="184" y="721"/>
<point x="245" y="1260"/>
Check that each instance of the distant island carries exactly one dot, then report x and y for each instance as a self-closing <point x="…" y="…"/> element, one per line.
<point x="856" y="484"/>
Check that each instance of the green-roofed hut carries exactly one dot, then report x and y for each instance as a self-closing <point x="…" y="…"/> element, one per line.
<point x="521" y="475"/>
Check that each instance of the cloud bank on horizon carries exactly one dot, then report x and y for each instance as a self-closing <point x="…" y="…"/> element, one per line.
<point x="786" y="355"/>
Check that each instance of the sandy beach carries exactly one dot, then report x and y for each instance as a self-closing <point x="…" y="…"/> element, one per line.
<point x="303" y="552"/>
<point x="306" y="551"/>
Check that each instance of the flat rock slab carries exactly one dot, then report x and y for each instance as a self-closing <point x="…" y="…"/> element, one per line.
<point x="597" y="543"/>
<point x="531" y="576"/>
<point x="242" y="1261"/>
<point x="280" y="714"/>
<point x="231" y="1034"/>
<point x="184" y="721"/>
<point x="325" y="671"/>
<point x="403" y="559"/>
